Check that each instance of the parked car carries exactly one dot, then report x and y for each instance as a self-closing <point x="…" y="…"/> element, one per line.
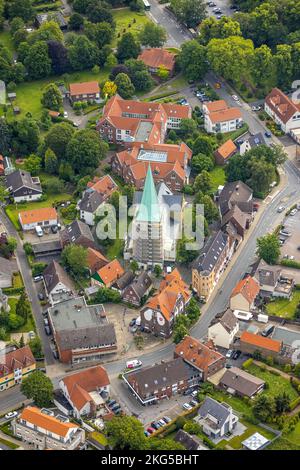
<point x="194" y="393"/>
<point x="280" y="209"/>
<point x="134" y="329"/>
<point x="155" y="425"/>
<point x="41" y="296"/>
<point x="47" y="330"/>
<point x="46" y="322"/>
<point x="162" y="422"/>
<point x="39" y="231"/>
<point x="11" y="415"/>
<point x="268" y="134"/>
<point x="111" y="403"/>
<point x="132" y="322"/>
<point x="150" y="430"/>
<point x="147" y="433"/>
<point x="228" y="366"/>
<point x="293" y="212"/>
<point x="236" y="355"/>
<point x="133" y="364"/>
<point x="268" y="330"/>
<point x="229" y="354"/>
<point x="166" y="419"/>
<point x="38" y="278"/>
<point x="193" y="403"/>
<point x="235" y="98"/>
<point x="55" y="354"/>
<point x="116" y="408"/>
<point x="54" y="228"/>
<point x="187" y="406"/>
<point x="66" y="114"/>
<point x="285" y="233"/>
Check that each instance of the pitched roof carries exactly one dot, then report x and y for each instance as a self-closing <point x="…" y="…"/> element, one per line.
<point x="74" y="231"/>
<point x="124" y="280"/>
<point x="85" y="338"/>
<point x="211" y="252"/>
<point x="227" y="149"/>
<point x="141" y="284"/>
<point x="241" y="381"/>
<point x="214" y="106"/>
<point x="225" y="115"/>
<point x="110" y="272"/>
<point x="19" y="178"/>
<point x="149" y="210"/>
<point x="233" y="193"/>
<point x="37" y="215"/>
<point x="84" y="88"/>
<point x="55" y="273"/>
<point x="156" y="57"/>
<point x="79" y="385"/>
<point x="95" y="259"/>
<point x="220" y="411"/>
<point x="281" y="105"/>
<point x="36" y="417"/>
<point x="267" y="275"/>
<point x="20" y="358"/>
<point x="248" y="288"/>
<point x="197" y="354"/>
<point x="188" y="441"/>
<point x="229" y="321"/>
<point x="261" y="342"/>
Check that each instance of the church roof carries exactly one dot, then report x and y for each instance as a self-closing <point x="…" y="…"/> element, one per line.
<point x="149" y="208"/>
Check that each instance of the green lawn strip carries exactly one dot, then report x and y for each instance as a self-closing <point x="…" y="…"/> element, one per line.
<point x="294" y="436"/>
<point x="125" y="17"/>
<point x="6" y="40"/>
<point x="283" y="443"/>
<point x="9" y="444"/>
<point x="236" y="441"/>
<point x="236" y="403"/>
<point x="277" y="383"/>
<point x="99" y="437"/>
<point x="177" y="84"/>
<point x="218" y="177"/>
<point x="13" y="210"/>
<point x="284" y="308"/>
<point x="17" y="281"/>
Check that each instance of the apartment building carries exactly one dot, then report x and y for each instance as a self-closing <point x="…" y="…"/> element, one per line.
<point x="283" y="110"/>
<point x="15" y="366"/>
<point x="220" y="118"/>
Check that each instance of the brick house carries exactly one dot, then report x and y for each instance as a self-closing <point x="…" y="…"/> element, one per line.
<point x="157" y="57"/>
<point x="86" y="91"/>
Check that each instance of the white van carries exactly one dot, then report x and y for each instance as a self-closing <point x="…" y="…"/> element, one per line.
<point x="39" y="231"/>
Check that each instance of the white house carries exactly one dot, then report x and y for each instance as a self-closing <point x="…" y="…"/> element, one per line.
<point x="219" y="117"/>
<point x="23" y="187"/>
<point x="216" y="419"/>
<point x="43" y="217"/>
<point x="58" y="284"/>
<point x="222" y="333"/>
<point x="283" y="110"/>
<point x="244" y="294"/>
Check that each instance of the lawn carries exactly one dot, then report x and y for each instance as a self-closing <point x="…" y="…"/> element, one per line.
<point x="284" y="308"/>
<point x="294" y="436"/>
<point x="29" y="325"/>
<point x="283" y="444"/>
<point x="6" y="40"/>
<point x="177" y="84"/>
<point x="236" y="441"/>
<point x="236" y="403"/>
<point x="17" y="281"/>
<point x="277" y="383"/>
<point x="125" y="17"/>
<point x="13" y="210"/>
<point x="218" y="177"/>
<point x="9" y="444"/>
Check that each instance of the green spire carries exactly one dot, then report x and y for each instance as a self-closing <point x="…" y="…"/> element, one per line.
<point x="149" y="208"/>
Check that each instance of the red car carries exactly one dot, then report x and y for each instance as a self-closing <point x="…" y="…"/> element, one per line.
<point x="150" y="430"/>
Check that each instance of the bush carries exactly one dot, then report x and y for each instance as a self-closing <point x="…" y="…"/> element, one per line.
<point x="208" y="442"/>
<point x="13" y="290"/>
<point x="38" y="268"/>
<point x="180" y="422"/>
<point x="247" y="363"/>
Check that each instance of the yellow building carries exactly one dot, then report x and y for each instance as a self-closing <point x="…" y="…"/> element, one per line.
<point x="14" y="366"/>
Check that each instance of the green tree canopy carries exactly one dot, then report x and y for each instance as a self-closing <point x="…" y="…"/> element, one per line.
<point x="268" y="248"/>
<point x="39" y="388"/>
<point x="52" y="98"/>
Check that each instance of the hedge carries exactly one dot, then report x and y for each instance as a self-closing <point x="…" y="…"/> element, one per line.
<point x="13" y="290"/>
<point x="290" y="263"/>
<point x="247" y="363"/>
<point x="294" y="403"/>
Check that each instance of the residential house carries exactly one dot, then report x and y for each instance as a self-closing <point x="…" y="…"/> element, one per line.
<point x="239" y="382"/>
<point x="244" y="294"/>
<point x="23" y="187"/>
<point x="7" y="269"/>
<point x="43" y="217"/>
<point x="15" y="366"/>
<point x="123" y="281"/>
<point x="81" y="332"/>
<point x="108" y="274"/>
<point x="58" y="284"/>
<point x="78" y="233"/>
<point x="283" y="110"/>
<point x="252" y="142"/>
<point x="202" y="357"/>
<point x="235" y="222"/>
<point x="45" y="431"/>
<point x="97" y="193"/>
<point x="95" y="260"/>
<point x="273" y="281"/>
<point x="169" y="164"/>
<point x="127" y="121"/>
<point x="251" y="343"/>
<point x="225" y="152"/>
<point x="210" y="264"/>
<point x="86" y="91"/>
<point x="238" y="194"/>
<point x="222" y="331"/>
<point x="86" y="391"/>
<point x="160" y="311"/>
<point x="153" y="383"/>
<point x="157" y="57"/>
<point x="217" y="419"/>
<point x="220" y="118"/>
<point x="56" y="16"/>
<point x="138" y="289"/>
<point x="188" y="441"/>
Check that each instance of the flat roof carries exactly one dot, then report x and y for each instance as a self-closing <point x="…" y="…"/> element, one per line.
<point x="144" y="130"/>
<point x="75" y="313"/>
<point x="255" y="442"/>
<point x="287" y="336"/>
<point x="152" y="156"/>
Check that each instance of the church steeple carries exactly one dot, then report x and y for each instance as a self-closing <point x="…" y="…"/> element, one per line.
<point x="149" y="210"/>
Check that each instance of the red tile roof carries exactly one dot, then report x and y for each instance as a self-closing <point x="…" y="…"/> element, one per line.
<point x="95" y="259"/>
<point x="261" y="342"/>
<point x="110" y="272"/>
<point x="85" y="88"/>
<point x="225" y="115"/>
<point x="227" y="149"/>
<point x="37" y="215"/>
<point x="157" y="57"/>
<point x="196" y="353"/>
<point x="50" y="423"/>
<point x="248" y="288"/>
<point x="20" y="358"/>
<point x="281" y="105"/>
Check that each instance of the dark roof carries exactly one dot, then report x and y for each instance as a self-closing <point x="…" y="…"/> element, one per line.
<point x="229" y="321"/>
<point x="241" y="381"/>
<point x="124" y="280"/>
<point x="220" y="411"/>
<point x="188" y="441"/>
<point x="237" y="215"/>
<point x="257" y="139"/>
<point x="20" y="178"/>
<point x="87" y="337"/>
<point x="76" y="230"/>
<point x="90" y="201"/>
<point x="267" y="275"/>
<point x="141" y="284"/>
<point x="46" y="247"/>
<point x="55" y="273"/>
<point x="145" y="381"/>
<point x="233" y="193"/>
<point x="211" y="252"/>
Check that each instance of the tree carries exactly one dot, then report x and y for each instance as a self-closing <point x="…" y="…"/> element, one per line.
<point x="107" y="295"/>
<point x="85" y="150"/>
<point x="5" y="137"/>
<point x="58" y="54"/>
<point x="264" y="407"/>
<point x="100" y="33"/>
<point x="139" y="75"/>
<point x="163" y="73"/>
<point x="203" y="182"/>
<point x="183" y="254"/>
<point x="120" y="68"/>
<point x="51" y="164"/>
<point x="269" y="248"/>
<point x="127" y="47"/>
<point x="36" y="347"/>
<point x="15" y="24"/>
<point x="125" y="86"/>
<point x="187" y="127"/>
<point x="164" y="444"/>
<point x="33" y="164"/>
<point x="126" y="433"/>
<point x="52" y="98"/>
<point x="23" y="308"/>
<point x="263" y="68"/>
<point x="74" y="258"/>
<point x="76" y="22"/>
<point x="284" y="65"/>
<point x="83" y="54"/>
<point x="23" y="9"/>
<point x="48" y="31"/>
<point x="58" y="138"/>
<point x="157" y="270"/>
<point x="203" y="145"/>
<point x="38" y="387"/>
<point x="3" y="192"/>
<point x="179" y="332"/>
<point x="134" y="266"/>
<point x="109" y="89"/>
<point x="282" y="402"/>
<point x="192" y="310"/>
<point x="201" y="163"/>
<point x="25" y="136"/>
<point x="153" y="35"/>
<point x="189" y="12"/>
<point x="192" y="60"/>
<point x="37" y="61"/>
<point x="99" y="12"/>
<point x="11" y="244"/>
<point x="225" y="27"/>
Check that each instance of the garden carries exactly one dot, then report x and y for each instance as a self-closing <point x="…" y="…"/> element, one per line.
<point x="277" y="384"/>
<point x="285" y="308"/>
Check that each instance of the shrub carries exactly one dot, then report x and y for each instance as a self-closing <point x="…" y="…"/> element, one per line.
<point x="247" y="363"/>
<point x="294" y="403"/>
<point x="208" y="442"/>
<point x="180" y="422"/>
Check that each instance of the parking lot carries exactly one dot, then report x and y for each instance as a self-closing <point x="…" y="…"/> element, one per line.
<point x="31" y="236"/>
<point x="291" y="246"/>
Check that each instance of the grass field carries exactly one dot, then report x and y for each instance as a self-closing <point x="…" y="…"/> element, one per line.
<point x="13" y="210"/>
<point x="237" y="403"/>
<point x="125" y="17"/>
<point x="29" y="325"/>
<point x="236" y="441"/>
<point x="277" y="383"/>
<point x="284" y="308"/>
<point x="218" y="177"/>
<point x="294" y="436"/>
